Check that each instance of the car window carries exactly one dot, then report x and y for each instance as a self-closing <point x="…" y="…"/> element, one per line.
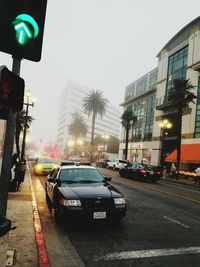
<point x="45" y="160"/>
<point x="53" y="173"/>
<point x="80" y="175"/>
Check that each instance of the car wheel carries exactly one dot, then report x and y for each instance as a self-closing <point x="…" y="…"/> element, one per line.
<point x="57" y="215"/>
<point x="121" y="173"/>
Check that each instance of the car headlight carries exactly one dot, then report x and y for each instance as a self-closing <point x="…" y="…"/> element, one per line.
<point x="38" y="167"/>
<point x="70" y="202"/>
<point x="119" y="201"/>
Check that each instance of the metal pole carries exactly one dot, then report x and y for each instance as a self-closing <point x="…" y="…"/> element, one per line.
<point x="8" y="150"/>
<point x="24" y="133"/>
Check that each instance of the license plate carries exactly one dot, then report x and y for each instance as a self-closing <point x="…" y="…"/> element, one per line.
<point x="151" y="172"/>
<point x="99" y="215"/>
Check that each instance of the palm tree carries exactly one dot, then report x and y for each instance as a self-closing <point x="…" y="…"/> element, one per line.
<point x="128" y="119"/>
<point x="78" y="127"/>
<point x="180" y="96"/>
<point x="94" y="103"/>
<point x="20" y="121"/>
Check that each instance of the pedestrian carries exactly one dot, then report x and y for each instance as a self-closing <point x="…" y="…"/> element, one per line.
<point x="17" y="170"/>
<point x="173" y="170"/>
<point x="197" y="177"/>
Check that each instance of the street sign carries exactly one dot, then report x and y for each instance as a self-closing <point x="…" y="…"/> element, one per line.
<point x="22" y="28"/>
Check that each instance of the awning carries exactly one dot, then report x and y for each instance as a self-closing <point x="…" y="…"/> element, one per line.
<point x="190" y="153"/>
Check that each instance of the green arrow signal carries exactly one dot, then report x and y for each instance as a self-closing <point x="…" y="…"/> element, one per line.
<point x="26" y="28"/>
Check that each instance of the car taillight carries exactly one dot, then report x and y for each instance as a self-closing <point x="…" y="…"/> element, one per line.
<point x="142" y="171"/>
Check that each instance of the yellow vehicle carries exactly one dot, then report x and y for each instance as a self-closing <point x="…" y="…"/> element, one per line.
<point x="44" y="165"/>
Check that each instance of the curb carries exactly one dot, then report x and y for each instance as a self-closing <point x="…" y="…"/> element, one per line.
<point x="39" y="235"/>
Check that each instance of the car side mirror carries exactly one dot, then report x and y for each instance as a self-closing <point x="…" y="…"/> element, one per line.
<point x="107" y="179"/>
<point x="51" y="180"/>
<point x="58" y="182"/>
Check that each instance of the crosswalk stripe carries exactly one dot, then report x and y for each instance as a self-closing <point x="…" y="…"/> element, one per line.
<point x="137" y="254"/>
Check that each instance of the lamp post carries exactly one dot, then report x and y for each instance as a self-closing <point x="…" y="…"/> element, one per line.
<point x="105" y="137"/>
<point x="164" y="125"/>
<point x="29" y="101"/>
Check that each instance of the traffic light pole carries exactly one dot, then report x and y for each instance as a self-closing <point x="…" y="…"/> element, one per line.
<point x="8" y="151"/>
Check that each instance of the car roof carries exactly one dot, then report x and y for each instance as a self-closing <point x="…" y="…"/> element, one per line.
<point x="64" y="167"/>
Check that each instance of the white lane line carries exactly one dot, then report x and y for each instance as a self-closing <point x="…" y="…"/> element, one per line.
<point x="177" y="222"/>
<point x="138" y="254"/>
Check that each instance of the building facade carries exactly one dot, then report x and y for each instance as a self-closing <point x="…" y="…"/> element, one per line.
<point x="140" y="96"/>
<point x="179" y="59"/>
<point x="72" y="101"/>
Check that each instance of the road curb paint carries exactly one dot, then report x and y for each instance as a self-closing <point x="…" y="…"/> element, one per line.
<point x="39" y="236"/>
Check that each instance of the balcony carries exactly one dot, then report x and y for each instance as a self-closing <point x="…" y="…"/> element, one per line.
<point x="163" y="103"/>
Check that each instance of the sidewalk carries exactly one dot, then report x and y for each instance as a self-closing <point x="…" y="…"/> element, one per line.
<point x="21" y="241"/>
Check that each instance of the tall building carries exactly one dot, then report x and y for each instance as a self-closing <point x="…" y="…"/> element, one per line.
<point x="140" y="98"/>
<point x="72" y="101"/>
<point x="178" y="59"/>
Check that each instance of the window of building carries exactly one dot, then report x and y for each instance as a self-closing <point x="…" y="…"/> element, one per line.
<point x="197" y="124"/>
<point x="177" y="67"/>
<point x="148" y="130"/>
<point x="153" y="76"/>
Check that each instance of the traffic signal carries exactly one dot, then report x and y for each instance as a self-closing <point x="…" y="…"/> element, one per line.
<point x="22" y="27"/>
<point x="11" y="90"/>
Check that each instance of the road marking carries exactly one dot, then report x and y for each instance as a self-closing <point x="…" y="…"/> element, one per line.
<point x="172" y="194"/>
<point x="177" y="222"/>
<point x="182" y="187"/>
<point x="138" y="254"/>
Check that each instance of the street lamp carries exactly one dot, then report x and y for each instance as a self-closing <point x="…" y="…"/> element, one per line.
<point x="105" y="137"/>
<point x="28" y="101"/>
<point x="164" y="125"/>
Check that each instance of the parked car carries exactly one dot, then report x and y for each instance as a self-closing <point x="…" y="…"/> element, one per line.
<point x="141" y="172"/>
<point x="102" y="163"/>
<point x="43" y="165"/>
<point x="78" y="192"/>
<point x="117" y="164"/>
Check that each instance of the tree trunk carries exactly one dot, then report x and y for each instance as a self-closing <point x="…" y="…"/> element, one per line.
<point x="93" y="124"/>
<point x="17" y="136"/>
<point x="179" y="130"/>
<point x="126" y="144"/>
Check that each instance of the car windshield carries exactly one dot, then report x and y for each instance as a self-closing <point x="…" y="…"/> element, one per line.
<point x="80" y="175"/>
<point x="45" y="160"/>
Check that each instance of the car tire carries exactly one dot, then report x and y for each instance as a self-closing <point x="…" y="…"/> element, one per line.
<point x="57" y="215"/>
<point x="121" y="173"/>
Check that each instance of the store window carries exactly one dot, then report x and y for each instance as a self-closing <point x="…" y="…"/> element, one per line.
<point x="177" y="67"/>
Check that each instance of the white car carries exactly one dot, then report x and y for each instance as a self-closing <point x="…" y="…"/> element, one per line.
<point x="117" y="164"/>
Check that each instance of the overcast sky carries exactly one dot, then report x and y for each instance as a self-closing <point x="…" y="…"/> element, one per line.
<point x="102" y="44"/>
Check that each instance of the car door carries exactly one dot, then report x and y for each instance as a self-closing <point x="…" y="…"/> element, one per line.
<point x="51" y="183"/>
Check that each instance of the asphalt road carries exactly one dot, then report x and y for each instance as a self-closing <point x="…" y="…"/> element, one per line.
<point x="161" y="228"/>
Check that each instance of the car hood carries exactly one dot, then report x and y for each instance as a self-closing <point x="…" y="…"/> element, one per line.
<point x="89" y="190"/>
